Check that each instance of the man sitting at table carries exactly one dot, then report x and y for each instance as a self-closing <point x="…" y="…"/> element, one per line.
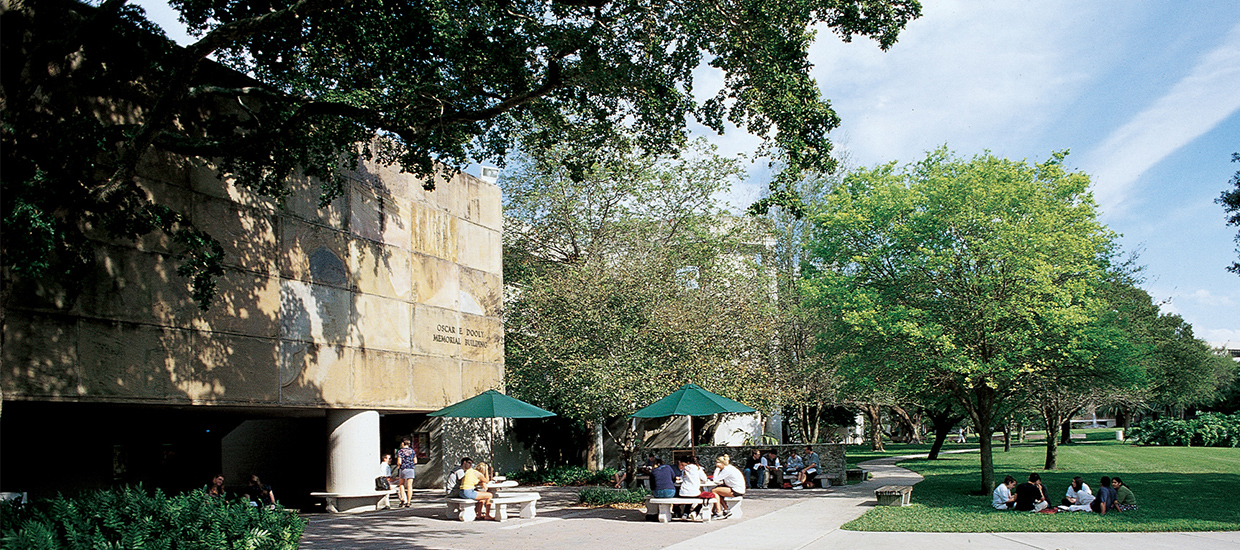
<point x="662" y="479"/>
<point x="454" y="479"/>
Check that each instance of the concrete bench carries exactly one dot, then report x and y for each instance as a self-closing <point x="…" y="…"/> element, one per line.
<point x="893" y="495"/>
<point x="341" y="503"/>
<point x="463" y="508"/>
<point x="662" y="507"/>
<point x="856" y="475"/>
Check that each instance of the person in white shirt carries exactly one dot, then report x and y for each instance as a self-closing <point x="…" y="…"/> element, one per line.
<point x="453" y="485"/>
<point x="1078" y="497"/>
<point x="692" y="477"/>
<point x="731" y="483"/>
<point x="1003" y="499"/>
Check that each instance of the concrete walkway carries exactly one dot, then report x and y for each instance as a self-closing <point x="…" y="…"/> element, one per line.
<point x="774" y="519"/>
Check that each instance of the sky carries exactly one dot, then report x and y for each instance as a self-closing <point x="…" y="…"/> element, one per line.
<point x="1144" y="94"/>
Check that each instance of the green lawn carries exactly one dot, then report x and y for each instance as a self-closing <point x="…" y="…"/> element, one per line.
<point x="1177" y="488"/>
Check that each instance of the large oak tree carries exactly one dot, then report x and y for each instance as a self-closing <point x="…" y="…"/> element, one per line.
<point x="89" y="93"/>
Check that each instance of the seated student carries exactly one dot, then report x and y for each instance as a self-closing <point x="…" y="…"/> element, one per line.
<point x="1125" y="501"/>
<point x="1106" y="497"/>
<point x="1002" y="498"/>
<point x="1029" y="495"/>
<point x="771" y="463"/>
<point x="453" y="484"/>
<point x="260" y="494"/>
<point x="1078" y="496"/>
<point x="754" y="469"/>
<point x="731" y="484"/>
<point x="691" y="479"/>
<point x="794" y="464"/>
<point x="474" y="486"/>
<point x="810" y="471"/>
<point x="662" y="479"/>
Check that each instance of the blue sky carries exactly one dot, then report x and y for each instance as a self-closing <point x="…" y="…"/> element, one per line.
<point x="1145" y="95"/>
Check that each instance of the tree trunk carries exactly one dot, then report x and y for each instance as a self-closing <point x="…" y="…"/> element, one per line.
<point x="1065" y="432"/>
<point x="1052" y="440"/>
<point x="985" y="432"/>
<point x="1007" y="437"/>
<point x="907" y="424"/>
<point x="943" y="423"/>
<point x="874" y="417"/>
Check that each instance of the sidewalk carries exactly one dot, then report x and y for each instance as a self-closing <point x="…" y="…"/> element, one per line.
<point x="774" y="519"/>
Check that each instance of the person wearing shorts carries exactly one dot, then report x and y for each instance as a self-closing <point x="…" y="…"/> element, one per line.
<point x="406" y="459"/>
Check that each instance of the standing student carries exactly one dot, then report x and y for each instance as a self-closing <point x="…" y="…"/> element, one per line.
<point x="406" y="459"/>
<point x="1002" y="498"/>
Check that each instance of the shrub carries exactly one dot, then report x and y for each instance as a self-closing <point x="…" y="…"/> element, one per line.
<point x="599" y="497"/>
<point x="1207" y="430"/>
<point x="131" y="518"/>
<point x="566" y="475"/>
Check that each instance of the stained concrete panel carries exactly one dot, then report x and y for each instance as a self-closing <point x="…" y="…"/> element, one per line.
<point x="303" y="203"/>
<point x="159" y="165"/>
<point x="482" y="338"/>
<point x="381" y="270"/>
<point x="378" y="215"/>
<point x="310" y="252"/>
<point x="388" y="379"/>
<point x="245" y="303"/>
<point x="132" y="360"/>
<point x="380" y="323"/>
<point x="39" y="355"/>
<point x="436" y="331"/>
<point x="314" y="374"/>
<point x="247" y="235"/>
<point x="142" y="287"/>
<point x="479" y="247"/>
<point x="486" y="290"/>
<point x="232" y="369"/>
<point x="434" y="232"/>
<point x="485" y="205"/>
<point x="437" y="282"/>
<point x="479" y="377"/>
<point x="315" y="313"/>
<point x="436" y="382"/>
<point x="203" y="178"/>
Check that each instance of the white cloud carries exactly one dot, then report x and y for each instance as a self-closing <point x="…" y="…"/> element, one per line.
<point x="1206" y="298"/>
<point x="1219" y="337"/>
<point x="1194" y="106"/>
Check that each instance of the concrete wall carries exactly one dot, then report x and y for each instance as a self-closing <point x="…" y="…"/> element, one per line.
<point x="387" y="299"/>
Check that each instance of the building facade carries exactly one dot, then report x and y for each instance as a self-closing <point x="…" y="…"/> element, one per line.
<point x="334" y="330"/>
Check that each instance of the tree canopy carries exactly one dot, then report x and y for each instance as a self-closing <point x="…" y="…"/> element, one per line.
<point x="962" y="271"/>
<point x="1230" y="199"/>
<point x="91" y="92"/>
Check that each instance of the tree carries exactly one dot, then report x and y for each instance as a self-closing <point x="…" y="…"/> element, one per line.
<point x="1230" y="199"/>
<point x="955" y="270"/>
<point x="91" y="93"/>
<point x="630" y="283"/>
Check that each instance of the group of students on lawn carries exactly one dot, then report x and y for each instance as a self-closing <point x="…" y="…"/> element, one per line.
<point x="1031" y="496"/>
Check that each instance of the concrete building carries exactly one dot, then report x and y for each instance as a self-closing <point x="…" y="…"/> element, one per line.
<point x="334" y="331"/>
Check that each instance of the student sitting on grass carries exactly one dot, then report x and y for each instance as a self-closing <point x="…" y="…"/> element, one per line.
<point x="1125" y="501"/>
<point x="1106" y="497"/>
<point x="1003" y="498"/>
<point x="1078" y="497"/>
<point x="1030" y="496"/>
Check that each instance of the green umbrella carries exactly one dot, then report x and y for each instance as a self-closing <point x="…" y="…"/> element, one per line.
<point x="492" y="404"/>
<point x="692" y="400"/>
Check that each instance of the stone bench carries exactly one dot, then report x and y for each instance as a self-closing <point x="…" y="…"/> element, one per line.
<point x="856" y="475"/>
<point x="352" y="503"/>
<point x="893" y="495"/>
<point x="662" y="507"/>
<point x="463" y="508"/>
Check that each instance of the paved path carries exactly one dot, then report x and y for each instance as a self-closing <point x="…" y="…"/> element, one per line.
<point x="808" y="519"/>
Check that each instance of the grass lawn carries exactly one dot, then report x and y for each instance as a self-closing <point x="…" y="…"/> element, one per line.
<point x="1177" y="489"/>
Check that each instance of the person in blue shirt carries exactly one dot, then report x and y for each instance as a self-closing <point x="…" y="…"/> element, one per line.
<point x="1106" y="497"/>
<point x="662" y="480"/>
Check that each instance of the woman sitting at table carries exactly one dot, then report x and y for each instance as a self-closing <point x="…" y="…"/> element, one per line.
<point x="730" y="483"/>
<point x="692" y="477"/>
<point x="474" y="485"/>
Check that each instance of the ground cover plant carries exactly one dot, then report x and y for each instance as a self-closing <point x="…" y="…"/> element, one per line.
<point x="133" y="518"/>
<point x="1177" y="489"/>
<point x="604" y="497"/>
<point x="566" y="476"/>
<point x="1207" y="430"/>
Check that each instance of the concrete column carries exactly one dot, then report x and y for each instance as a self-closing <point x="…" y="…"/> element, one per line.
<point x="352" y="456"/>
